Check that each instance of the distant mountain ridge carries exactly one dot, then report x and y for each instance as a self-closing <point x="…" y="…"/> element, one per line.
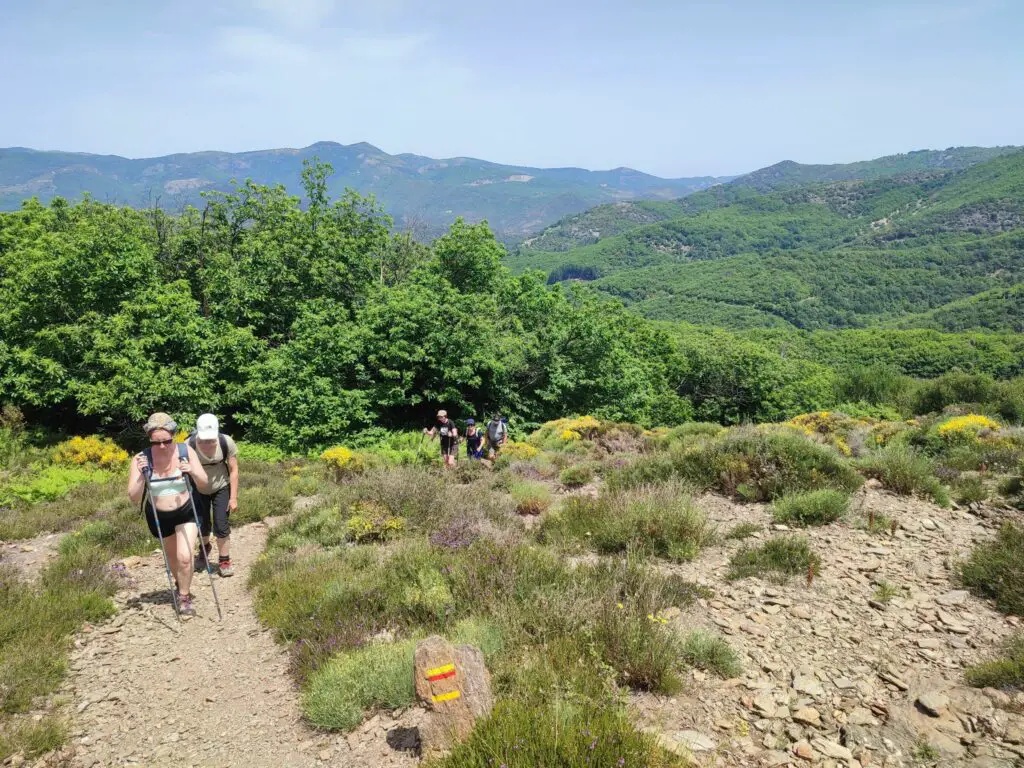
<point x="421" y="193"/>
<point x="612" y="219"/>
<point x="791" y="174"/>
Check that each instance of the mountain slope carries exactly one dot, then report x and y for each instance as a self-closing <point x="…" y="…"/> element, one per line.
<point x="419" y="192"/>
<point x="604" y="221"/>
<point x="1000" y="309"/>
<point x="844" y="254"/>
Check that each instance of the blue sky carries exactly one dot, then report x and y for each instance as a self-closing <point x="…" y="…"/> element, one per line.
<point x="670" y="87"/>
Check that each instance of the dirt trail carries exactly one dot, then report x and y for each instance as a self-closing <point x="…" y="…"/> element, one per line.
<point x="213" y="694"/>
<point x="30" y="556"/>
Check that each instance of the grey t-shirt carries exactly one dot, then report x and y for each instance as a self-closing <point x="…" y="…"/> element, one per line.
<point x="496" y="431"/>
<point x="215" y="466"/>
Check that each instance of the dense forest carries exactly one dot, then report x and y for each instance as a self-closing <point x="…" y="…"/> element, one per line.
<point x="307" y="321"/>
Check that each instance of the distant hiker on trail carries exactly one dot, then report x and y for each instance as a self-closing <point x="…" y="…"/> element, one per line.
<point x="448" y="436"/>
<point x="219" y="456"/>
<point x="173" y="523"/>
<point x="497" y="435"/>
<point x="474" y="440"/>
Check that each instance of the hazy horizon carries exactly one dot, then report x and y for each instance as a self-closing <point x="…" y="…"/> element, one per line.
<point x="668" y="88"/>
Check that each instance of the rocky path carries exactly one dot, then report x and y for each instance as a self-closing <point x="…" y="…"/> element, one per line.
<point x="835" y="677"/>
<point x="212" y="694"/>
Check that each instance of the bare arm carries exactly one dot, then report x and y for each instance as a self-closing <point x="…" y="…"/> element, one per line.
<point x="136" y="482"/>
<point x="233" y="482"/>
<point x="197" y="470"/>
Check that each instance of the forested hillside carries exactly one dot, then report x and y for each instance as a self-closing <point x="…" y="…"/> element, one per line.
<point x="308" y="321"/>
<point x="422" y="193"/>
<point x="612" y="219"/>
<point x="838" y="255"/>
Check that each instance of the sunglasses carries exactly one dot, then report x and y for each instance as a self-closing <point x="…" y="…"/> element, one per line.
<point x="168" y="441"/>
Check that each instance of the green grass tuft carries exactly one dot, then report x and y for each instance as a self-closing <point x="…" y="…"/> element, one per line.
<point x="1005" y="672"/>
<point x="660" y="521"/>
<point x="811" y="508"/>
<point x="576" y="475"/>
<point x="31" y="739"/>
<point x="781" y="557"/>
<point x="558" y="731"/>
<point x="995" y="569"/>
<point x="710" y="652"/>
<point x="903" y="470"/>
<point x="742" y="531"/>
<point x="343" y="689"/>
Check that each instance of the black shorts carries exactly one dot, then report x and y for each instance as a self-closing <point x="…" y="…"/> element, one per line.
<point x="217" y="502"/>
<point x="449" y="446"/>
<point x="169" y="521"/>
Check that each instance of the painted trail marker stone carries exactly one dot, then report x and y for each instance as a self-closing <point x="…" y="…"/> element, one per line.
<point x="455" y="686"/>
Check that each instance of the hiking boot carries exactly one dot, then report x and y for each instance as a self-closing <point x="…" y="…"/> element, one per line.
<point x="225" y="568"/>
<point x="200" y="561"/>
<point x="185" y="607"/>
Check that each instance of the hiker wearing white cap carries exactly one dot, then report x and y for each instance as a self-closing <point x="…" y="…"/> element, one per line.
<point x="219" y="456"/>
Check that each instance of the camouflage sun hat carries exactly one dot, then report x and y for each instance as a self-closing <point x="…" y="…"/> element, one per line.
<point x="160" y="421"/>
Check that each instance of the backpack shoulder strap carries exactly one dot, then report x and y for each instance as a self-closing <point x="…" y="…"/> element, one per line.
<point x="222" y="439"/>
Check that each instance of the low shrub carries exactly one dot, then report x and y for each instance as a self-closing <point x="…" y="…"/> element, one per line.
<point x="1006" y="671"/>
<point x="969" y="489"/>
<point x="552" y="730"/>
<point x="711" y="653"/>
<point x="344" y="688"/>
<point x="903" y="470"/>
<point x="995" y="569"/>
<point x="513" y="451"/>
<point x="779" y="558"/>
<point x="369" y="522"/>
<point x="94" y="451"/>
<point x="260" y="452"/>
<point x="811" y="508"/>
<point x="261" y="502"/>
<point x="84" y="501"/>
<point x="576" y="475"/>
<point x="343" y="461"/>
<point x="660" y="521"/>
<point x="762" y="465"/>
<point x="662" y="440"/>
<point x="531" y="498"/>
<point x="646" y="470"/>
<point x="51" y="483"/>
<point x="418" y="495"/>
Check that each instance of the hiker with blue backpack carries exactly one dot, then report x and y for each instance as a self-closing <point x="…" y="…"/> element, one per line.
<point x="474" y="440"/>
<point x="218" y="454"/>
<point x="165" y="473"/>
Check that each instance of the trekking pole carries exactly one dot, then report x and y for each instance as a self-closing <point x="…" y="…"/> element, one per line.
<point x="146" y="473"/>
<point x="206" y="559"/>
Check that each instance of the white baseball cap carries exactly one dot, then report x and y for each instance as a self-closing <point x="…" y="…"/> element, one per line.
<point x="207" y="427"/>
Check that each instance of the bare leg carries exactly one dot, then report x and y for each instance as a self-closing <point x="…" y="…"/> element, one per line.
<point x="171" y="547"/>
<point x="184" y="545"/>
<point x="223" y="546"/>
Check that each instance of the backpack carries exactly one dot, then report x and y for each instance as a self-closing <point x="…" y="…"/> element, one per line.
<point x="221" y="441"/>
